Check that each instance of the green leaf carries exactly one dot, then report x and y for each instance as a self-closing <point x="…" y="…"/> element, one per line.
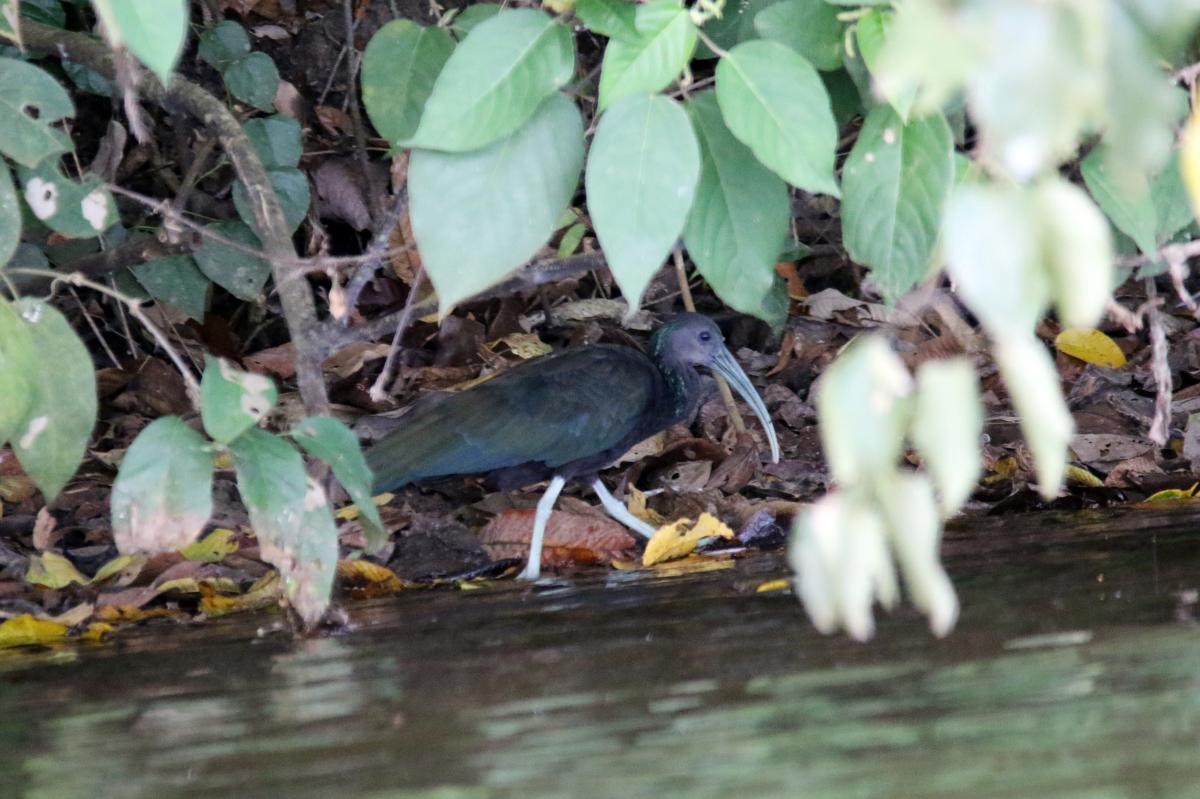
<point x="505" y="199"/>
<point x="775" y="103"/>
<point x="665" y="42"/>
<point x="734" y="26"/>
<point x="76" y="209"/>
<point x="738" y="220"/>
<point x="162" y="497"/>
<point x="611" y="18"/>
<point x="291" y="518"/>
<point x="241" y="274"/>
<point x="469" y="18"/>
<point x="641" y="177"/>
<point x="276" y="139"/>
<point x="1033" y="384"/>
<point x="233" y="401"/>
<point x="253" y="79"/>
<point x="10" y="215"/>
<point x="947" y="424"/>
<point x="399" y="68"/>
<point x="1078" y="249"/>
<point x="810" y="27"/>
<point x="495" y="80"/>
<point x="176" y="280"/>
<point x="1171" y="204"/>
<point x="870" y="34"/>
<point x="88" y="79"/>
<point x="52" y="438"/>
<point x="1130" y="207"/>
<point x="895" y="183"/>
<point x="328" y="439"/>
<point x="223" y="44"/>
<point x="30" y="103"/>
<point x="291" y="186"/>
<point x="154" y="32"/>
<point x="18" y="366"/>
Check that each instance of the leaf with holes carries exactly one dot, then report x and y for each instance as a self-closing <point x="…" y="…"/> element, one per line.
<point x="30" y="103"/>
<point x="154" y="32"/>
<point x="162" y="497"/>
<point x="328" y="439"/>
<point x="739" y="219"/>
<point x="400" y="65"/>
<point x="76" y="209"/>
<point x="495" y="80"/>
<point x="775" y="103"/>
<point x="641" y="177"/>
<point x="176" y="280"/>
<point x="665" y="43"/>
<point x="52" y="437"/>
<point x="506" y="198"/>
<point x="233" y="401"/>
<point x="895" y="183"/>
<point x="231" y="267"/>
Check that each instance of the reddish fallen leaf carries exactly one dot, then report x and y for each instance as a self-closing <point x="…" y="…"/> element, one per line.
<point x="570" y="538"/>
<point x="279" y="361"/>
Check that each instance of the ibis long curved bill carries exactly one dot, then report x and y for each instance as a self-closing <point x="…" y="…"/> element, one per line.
<point x="722" y="363"/>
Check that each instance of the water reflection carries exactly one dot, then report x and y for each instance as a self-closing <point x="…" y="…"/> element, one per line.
<point x="1074" y="676"/>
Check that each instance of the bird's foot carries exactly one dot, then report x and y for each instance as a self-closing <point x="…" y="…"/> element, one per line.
<point x="532" y="572"/>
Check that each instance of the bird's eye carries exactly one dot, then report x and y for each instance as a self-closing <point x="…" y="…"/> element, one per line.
<point x="705" y="335"/>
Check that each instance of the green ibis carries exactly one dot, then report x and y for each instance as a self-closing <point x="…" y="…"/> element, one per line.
<point x="563" y="417"/>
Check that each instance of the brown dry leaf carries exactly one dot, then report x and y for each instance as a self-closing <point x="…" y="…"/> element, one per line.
<point x="832" y="304"/>
<point x="341" y="193"/>
<point x="795" y="285"/>
<point x="523" y="345"/>
<point x="288" y="100"/>
<point x="16" y="488"/>
<point x="1093" y="448"/>
<point x="25" y="630"/>
<point x="1134" y="473"/>
<point x="678" y="539"/>
<point x="45" y="530"/>
<point x="334" y="120"/>
<point x="279" y="361"/>
<point x="692" y="564"/>
<point x="366" y="579"/>
<point x="267" y="590"/>
<point x="570" y="538"/>
<point x="76" y="615"/>
<point x="636" y="502"/>
<point x="349" y="361"/>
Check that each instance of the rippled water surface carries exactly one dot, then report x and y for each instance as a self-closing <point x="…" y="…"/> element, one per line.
<point x="1075" y="672"/>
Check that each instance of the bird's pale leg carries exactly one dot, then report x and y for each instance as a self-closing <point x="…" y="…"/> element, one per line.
<point x="533" y="569"/>
<point x="618" y="511"/>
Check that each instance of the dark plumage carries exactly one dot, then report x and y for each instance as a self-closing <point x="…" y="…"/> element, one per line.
<point x="564" y="416"/>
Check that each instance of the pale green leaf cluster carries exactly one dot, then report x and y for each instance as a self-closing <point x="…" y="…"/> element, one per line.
<point x="154" y="32"/>
<point x="846" y="546"/>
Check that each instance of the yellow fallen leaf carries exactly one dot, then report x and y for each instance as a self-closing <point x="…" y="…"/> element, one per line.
<point x="692" y="564"/>
<point x="266" y="591"/>
<point x="635" y="500"/>
<point x="52" y="570"/>
<point x="351" y="512"/>
<point x="25" y="630"/>
<point x="97" y="630"/>
<point x="679" y="538"/>
<point x="1189" y="159"/>
<point x="1173" y="493"/>
<point x="1082" y="477"/>
<point x="1090" y="346"/>
<point x="123" y="564"/>
<point x="782" y="584"/>
<point x="380" y="579"/>
<point x="213" y="547"/>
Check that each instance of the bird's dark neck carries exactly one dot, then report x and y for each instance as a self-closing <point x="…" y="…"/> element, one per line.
<point x="681" y="379"/>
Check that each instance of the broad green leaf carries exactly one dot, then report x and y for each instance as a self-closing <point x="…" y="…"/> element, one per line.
<point x="30" y="103"/>
<point x="470" y="17"/>
<point x="176" y="280"/>
<point x="162" y="497"/>
<point x="1033" y="383"/>
<point x="224" y="43"/>
<point x="253" y="79"/>
<point x="992" y="243"/>
<point x="738" y="220"/>
<point x="399" y="68"/>
<point x="154" y="32"/>
<point x="234" y="269"/>
<point x="641" y="177"/>
<point x="276" y="139"/>
<point x="947" y="424"/>
<point x="18" y="365"/>
<point x="895" y="183"/>
<point x="734" y="26"/>
<point x="52" y="438"/>
<point x="76" y="209"/>
<point x="291" y="187"/>
<point x="1172" y="207"/>
<point x="1078" y="248"/>
<point x="863" y="403"/>
<point x="47" y="12"/>
<point x="290" y="516"/>
<point x="88" y="79"/>
<point x="233" y="401"/>
<point x="1128" y="204"/>
<point x="810" y="27"/>
<point x="328" y="439"/>
<point x="775" y="103"/>
<point x="870" y="33"/>
<point x="504" y="199"/>
<point x="10" y="215"/>
<point x="495" y="81"/>
<point x="611" y="18"/>
<point x="644" y="65"/>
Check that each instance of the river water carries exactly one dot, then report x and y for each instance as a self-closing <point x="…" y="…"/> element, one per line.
<point x="1074" y="672"/>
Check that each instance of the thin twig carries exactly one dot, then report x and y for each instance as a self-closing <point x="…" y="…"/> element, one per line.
<point x="1160" y="425"/>
<point x="360" y="133"/>
<point x="378" y="390"/>
<point x="374" y="256"/>
<point x="112" y="356"/>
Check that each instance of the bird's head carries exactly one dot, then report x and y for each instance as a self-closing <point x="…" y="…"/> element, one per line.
<point x="697" y="341"/>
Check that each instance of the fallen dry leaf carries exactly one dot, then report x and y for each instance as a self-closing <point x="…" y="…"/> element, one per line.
<point x="570" y="538"/>
<point x="25" y="630"/>
<point x="1090" y="346"/>
<point x="678" y="539"/>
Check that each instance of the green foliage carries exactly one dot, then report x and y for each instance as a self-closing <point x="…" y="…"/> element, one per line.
<point x="290" y="186"/>
<point x="18" y="363"/>
<point x="254" y="80"/>
<point x="666" y="38"/>
<point x="76" y="209"/>
<point x="10" y="215"/>
<point x="276" y="139"/>
<point x="810" y="27"/>
<point x="154" y="32"/>
<point x="495" y="80"/>
<point x="332" y="442"/>
<point x="895" y="185"/>
<point x="399" y="68"/>
<point x="641" y="176"/>
<point x="233" y="401"/>
<point x="469" y="18"/>
<point x="177" y="280"/>
<point x="611" y="18"/>
<point x="30" y="103"/>
<point x="1150" y="212"/>
<point x="223" y="44"/>
<point x="233" y="268"/>
<point x="506" y="197"/>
